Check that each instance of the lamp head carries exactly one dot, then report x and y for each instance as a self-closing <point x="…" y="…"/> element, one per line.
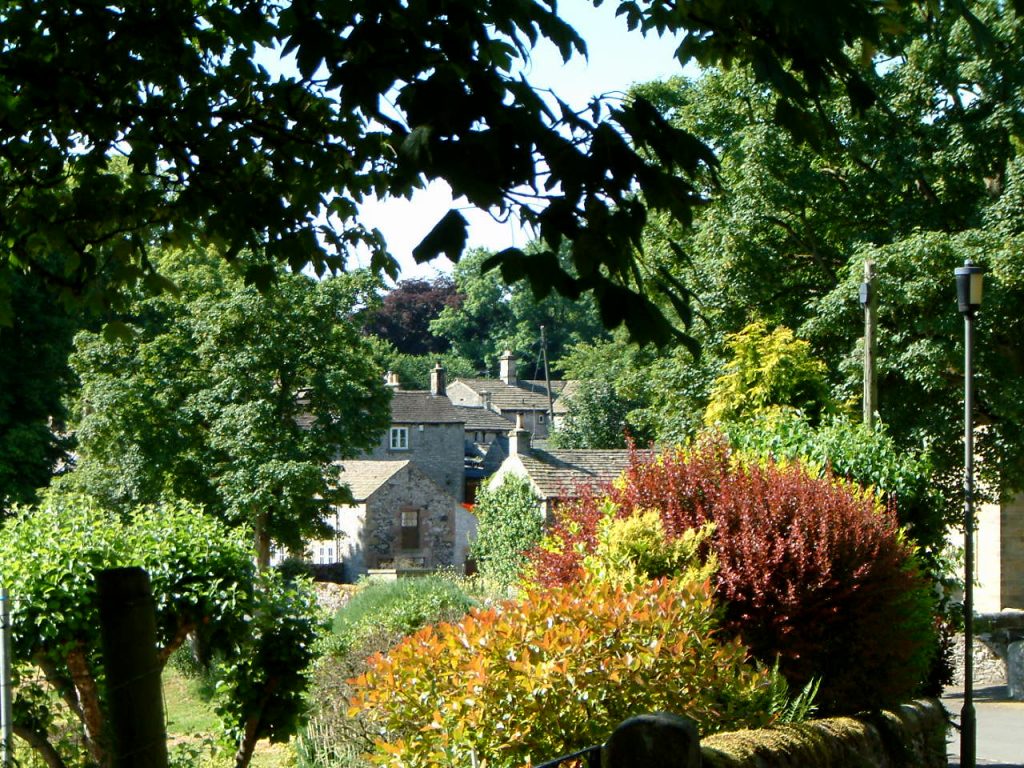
<point x="968" y="287"/>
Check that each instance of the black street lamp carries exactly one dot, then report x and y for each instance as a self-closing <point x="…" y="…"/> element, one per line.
<point x="968" y="293"/>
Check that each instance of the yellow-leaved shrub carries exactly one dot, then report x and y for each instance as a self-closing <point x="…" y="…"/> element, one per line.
<point x="556" y="671"/>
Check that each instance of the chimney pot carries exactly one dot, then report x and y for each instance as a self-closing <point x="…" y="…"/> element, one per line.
<point x="519" y="439"/>
<point x="507" y="368"/>
<point x="438" y="386"/>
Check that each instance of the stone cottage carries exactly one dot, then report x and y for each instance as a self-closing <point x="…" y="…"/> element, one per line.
<point x="400" y="518"/>
<point x="557" y="475"/>
<point x="427" y="430"/>
<point x="511" y="397"/>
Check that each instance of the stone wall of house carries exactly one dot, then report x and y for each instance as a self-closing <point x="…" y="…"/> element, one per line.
<point x="1011" y="528"/>
<point x="536" y="423"/>
<point x="437" y="449"/>
<point x="349" y="523"/>
<point x="460" y="394"/>
<point x="988" y="563"/>
<point x="382" y="531"/>
<point x="999" y="561"/>
<point x="465" y="534"/>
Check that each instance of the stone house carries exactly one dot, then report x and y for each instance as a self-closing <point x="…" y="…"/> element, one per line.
<point x="511" y="397"/>
<point x="999" y="561"/>
<point x="409" y="488"/>
<point x="486" y="446"/>
<point x="400" y="518"/>
<point x="427" y="430"/>
<point x="557" y="475"/>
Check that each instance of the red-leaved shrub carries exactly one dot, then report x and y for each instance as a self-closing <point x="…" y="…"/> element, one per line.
<point x="813" y="571"/>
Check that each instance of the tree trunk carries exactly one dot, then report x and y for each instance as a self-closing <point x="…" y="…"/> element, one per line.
<point x="182" y="632"/>
<point x="252" y="724"/>
<point x="89" y="701"/>
<point x="262" y="542"/>
<point x="41" y="745"/>
<point x="245" y="748"/>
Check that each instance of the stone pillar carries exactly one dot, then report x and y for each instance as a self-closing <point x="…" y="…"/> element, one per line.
<point x="661" y="740"/>
<point x="1015" y="670"/>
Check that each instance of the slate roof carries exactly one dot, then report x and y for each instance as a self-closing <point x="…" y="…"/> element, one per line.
<point x="525" y="394"/>
<point x="365" y="477"/>
<point x="558" y="474"/>
<point x="421" y="407"/>
<point x="484" y="459"/>
<point x="484" y="420"/>
<point x="571" y="387"/>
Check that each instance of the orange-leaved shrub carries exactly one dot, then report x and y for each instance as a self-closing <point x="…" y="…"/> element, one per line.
<point x="532" y="679"/>
<point x="813" y="571"/>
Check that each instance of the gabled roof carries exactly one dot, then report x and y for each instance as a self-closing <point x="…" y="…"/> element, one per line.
<point x="483" y="420"/>
<point x="484" y="459"/>
<point x="560" y="474"/>
<point x="421" y="407"/>
<point x="364" y="477"/>
<point x="524" y="395"/>
<point x="572" y="386"/>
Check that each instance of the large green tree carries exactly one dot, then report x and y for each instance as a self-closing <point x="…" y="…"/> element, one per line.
<point x="492" y="316"/>
<point x="231" y="397"/>
<point x="385" y="97"/>
<point x="917" y="183"/>
<point x="34" y="377"/>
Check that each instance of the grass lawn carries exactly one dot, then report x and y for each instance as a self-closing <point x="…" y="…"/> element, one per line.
<point x="191" y="721"/>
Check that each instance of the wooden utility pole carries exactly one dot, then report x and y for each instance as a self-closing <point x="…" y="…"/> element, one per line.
<point x="869" y="301"/>
<point x="128" y="637"/>
<point x="6" y="719"/>
<point x="547" y="379"/>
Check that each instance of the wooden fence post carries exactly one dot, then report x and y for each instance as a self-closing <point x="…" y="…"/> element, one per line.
<point x="128" y="636"/>
<point x="661" y="740"/>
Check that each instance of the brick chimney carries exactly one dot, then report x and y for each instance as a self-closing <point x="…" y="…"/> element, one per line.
<point x="485" y="399"/>
<point x="391" y="380"/>
<point x="437" y="381"/>
<point x="519" y="439"/>
<point x="507" y="367"/>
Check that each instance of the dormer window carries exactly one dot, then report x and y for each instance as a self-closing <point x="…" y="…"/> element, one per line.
<point x="399" y="439"/>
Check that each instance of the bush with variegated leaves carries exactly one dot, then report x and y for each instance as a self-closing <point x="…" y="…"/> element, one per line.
<point x="814" y="573"/>
<point x="554" y="672"/>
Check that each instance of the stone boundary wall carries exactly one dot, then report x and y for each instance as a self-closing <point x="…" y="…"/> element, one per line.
<point x="914" y="736"/>
<point x="989" y="668"/>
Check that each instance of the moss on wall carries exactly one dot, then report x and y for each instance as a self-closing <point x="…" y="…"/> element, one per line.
<point x="912" y="737"/>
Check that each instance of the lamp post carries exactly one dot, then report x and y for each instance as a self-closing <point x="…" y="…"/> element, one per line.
<point x="968" y="293"/>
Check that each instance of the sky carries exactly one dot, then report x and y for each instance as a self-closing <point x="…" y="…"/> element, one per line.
<point x="617" y="59"/>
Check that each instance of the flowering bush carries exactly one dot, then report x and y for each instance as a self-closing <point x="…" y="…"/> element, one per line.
<point x="813" y="571"/>
<point x="555" y="672"/>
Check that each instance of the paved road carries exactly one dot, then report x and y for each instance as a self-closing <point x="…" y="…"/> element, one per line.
<point x="1000" y="727"/>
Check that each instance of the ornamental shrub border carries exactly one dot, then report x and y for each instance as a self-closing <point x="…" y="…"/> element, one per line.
<point x="813" y="572"/>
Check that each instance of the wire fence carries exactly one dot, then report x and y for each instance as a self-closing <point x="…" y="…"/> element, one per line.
<point x="73" y="679"/>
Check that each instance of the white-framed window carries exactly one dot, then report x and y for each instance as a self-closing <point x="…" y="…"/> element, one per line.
<point x="399" y="439"/>
<point x="540" y="418"/>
